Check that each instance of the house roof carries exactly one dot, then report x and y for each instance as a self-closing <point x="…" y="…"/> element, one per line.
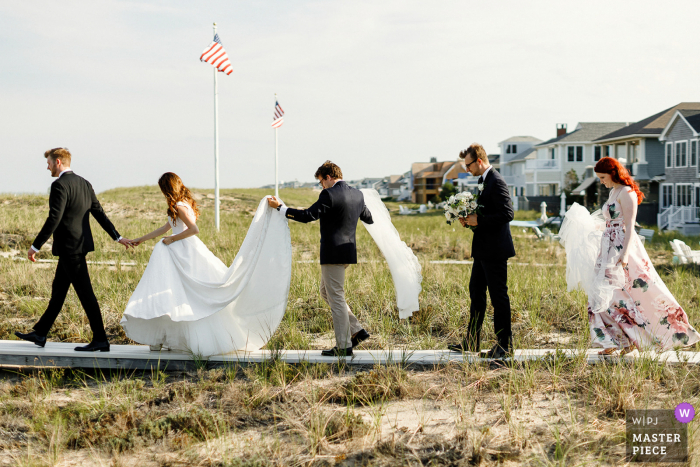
<point x="521" y="156"/>
<point x="521" y="139"/>
<point x="494" y="158"/>
<point x="693" y="118"/>
<point x="689" y="117"/>
<point x="434" y="170"/>
<point x="586" y="131"/>
<point x="652" y="126"/>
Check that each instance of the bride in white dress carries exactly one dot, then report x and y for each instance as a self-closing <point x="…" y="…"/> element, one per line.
<point x="189" y="300"/>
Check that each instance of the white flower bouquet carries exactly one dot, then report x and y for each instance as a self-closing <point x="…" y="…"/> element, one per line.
<point x="460" y="206"/>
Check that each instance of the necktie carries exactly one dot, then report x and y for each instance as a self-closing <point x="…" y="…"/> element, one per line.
<point x="481" y="180"/>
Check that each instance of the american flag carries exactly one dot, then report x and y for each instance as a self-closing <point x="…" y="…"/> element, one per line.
<point x="215" y="55"/>
<point x="278" y="118"/>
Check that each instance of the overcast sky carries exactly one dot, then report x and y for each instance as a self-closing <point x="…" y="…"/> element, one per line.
<point x="371" y="85"/>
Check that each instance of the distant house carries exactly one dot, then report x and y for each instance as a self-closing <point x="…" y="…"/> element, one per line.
<point x="680" y="190"/>
<point x="639" y="148"/>
<point x="365" y="183"/>
<point x="428" y="178"/>
<point x="396" y="187"/>
<point x="514" y="151"/>
<point x="547" y="172"/>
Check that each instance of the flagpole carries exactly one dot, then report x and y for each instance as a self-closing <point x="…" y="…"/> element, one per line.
<point x="216" y="145"/>
<point x="277" y="193"/>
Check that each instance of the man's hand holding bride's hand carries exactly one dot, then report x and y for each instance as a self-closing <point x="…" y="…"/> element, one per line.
<point x="273" y="202"/>
<point x="126" y="242"/>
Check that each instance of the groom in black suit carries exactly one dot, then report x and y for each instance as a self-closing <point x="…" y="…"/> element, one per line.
<point x="339" y="207"/>
<point x="492" y="245"/>
<point x="71" y="202"/>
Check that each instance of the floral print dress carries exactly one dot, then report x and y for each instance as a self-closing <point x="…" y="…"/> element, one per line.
<point x="642" y="311"/>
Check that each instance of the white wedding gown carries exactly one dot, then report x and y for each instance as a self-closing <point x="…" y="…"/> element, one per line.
<point x="189" y="300"/>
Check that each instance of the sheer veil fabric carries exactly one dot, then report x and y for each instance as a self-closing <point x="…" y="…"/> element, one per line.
<point x="188" y="299"/>
<point x="586" y="269"/>
<point x="403" y="264"/>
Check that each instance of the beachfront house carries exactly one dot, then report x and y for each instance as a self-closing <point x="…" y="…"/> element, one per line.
<point x="680" y="189"/>
<point x="550" y="171"/>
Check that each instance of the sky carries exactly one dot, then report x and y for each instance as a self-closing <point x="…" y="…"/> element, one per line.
<point x="372" y="86"/>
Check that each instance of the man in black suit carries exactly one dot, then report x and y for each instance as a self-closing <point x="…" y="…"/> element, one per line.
<point x="492" y="245"/>
<point x="71" y="202"/>
<point x="339" y="207"/>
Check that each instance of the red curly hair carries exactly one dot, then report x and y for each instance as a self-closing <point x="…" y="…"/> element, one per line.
<point x="619" y="174"/>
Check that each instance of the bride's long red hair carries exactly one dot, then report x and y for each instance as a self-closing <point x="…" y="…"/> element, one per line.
<point x="619" y="174"/>
<point x="174" y="190"/>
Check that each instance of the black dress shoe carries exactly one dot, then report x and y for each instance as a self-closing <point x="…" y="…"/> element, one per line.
<point x="32" y="337"/>
<point x="359" y="336"/>
<point x="499" y="352"/>
<point x="94" y="347"/>
<point x="334" y="352"/>
<point x="467" y="345"/>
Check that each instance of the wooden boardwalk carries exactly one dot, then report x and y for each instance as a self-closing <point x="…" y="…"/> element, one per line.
<point x="140" y="357"/>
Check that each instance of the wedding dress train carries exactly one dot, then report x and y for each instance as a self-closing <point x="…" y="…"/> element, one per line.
<point x="188" y="299"/>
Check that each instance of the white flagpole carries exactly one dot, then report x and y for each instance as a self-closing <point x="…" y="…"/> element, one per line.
<point x="216" y="146"/>
<point x="277" y="193"/>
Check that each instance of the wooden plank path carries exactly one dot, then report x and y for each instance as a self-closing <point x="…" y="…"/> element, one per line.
<point x="140" y="357"/>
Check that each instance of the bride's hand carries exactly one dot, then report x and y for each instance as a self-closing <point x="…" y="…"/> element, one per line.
<point x="622" y="262"/>
<point x="168" y="240"/>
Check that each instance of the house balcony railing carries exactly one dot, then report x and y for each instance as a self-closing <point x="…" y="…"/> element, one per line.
<point x="673" y="217"/>
<point x="542" y="164"/>
<point x="514" y="180"/>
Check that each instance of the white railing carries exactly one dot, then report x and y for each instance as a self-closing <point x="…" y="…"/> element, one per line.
<point x="662" y="217"/>
<point x="681" y="215"/>
<point x="542" y="164"/>
<point x="514" y="180"/>
<point x="673" y="217"/>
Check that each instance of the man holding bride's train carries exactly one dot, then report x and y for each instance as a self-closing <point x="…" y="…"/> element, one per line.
<point x="339" y="207"/>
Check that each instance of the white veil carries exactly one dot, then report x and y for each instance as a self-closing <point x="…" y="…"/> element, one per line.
<point x="403" y="264"/>
<point x="586" y="269"/>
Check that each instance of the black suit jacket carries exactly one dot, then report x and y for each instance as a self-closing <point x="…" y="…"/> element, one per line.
<point x="339" y="209"/>
<point x="71" y="202"/>
<point x="492" y="239"/>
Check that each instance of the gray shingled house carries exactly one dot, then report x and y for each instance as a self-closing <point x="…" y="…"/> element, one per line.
<point x="680" y="190"/>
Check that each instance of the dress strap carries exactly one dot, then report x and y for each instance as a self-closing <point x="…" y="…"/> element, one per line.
<point x="617" y="195"/>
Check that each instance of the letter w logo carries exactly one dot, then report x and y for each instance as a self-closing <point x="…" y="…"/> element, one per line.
<point x="684" y="413"/>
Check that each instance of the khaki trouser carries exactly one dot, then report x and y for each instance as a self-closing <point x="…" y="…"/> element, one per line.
<point x="345" y="324"/>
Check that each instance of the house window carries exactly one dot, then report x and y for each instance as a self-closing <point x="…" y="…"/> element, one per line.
<point x="552" y="153"/>
<point x="666" y="195"/>
<point x="681" y="160"/>
<point x="575" y="153"/>
<point x="607" y="151"/>
<point x="508" y="149"/>
<point x="693" y="153"/>
<point x="669" y="154"/>
<point x="684" y="194"/>
<point x="597" y="153"/>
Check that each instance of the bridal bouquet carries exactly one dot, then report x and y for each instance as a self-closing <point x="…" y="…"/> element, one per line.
<point x="460" y="206"/>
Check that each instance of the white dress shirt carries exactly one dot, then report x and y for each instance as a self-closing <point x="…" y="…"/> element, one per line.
<point x="483" y="175"/>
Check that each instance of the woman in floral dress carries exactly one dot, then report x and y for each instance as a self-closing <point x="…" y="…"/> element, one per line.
<point x="629" y="306"/>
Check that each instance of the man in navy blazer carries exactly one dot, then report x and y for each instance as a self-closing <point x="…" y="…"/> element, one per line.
<point x="339" y="207"/>
<point x="492" y="245"/>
